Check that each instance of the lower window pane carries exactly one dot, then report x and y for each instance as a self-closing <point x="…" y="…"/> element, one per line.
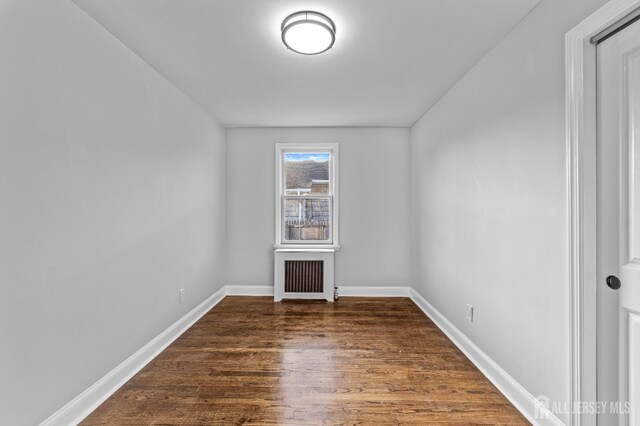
<point x="307" y="219"/>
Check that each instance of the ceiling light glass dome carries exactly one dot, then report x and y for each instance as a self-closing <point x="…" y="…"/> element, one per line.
<point x="308" y="32"/>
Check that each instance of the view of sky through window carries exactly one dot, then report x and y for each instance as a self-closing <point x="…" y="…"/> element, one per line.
<point x="318" y="157"/>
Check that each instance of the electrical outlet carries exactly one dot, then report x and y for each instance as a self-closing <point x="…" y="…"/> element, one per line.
<point x="470" y="313"/>
<point x="181" y="295"/>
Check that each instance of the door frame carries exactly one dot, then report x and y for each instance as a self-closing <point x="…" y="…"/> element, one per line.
<point x="581" y="137"/>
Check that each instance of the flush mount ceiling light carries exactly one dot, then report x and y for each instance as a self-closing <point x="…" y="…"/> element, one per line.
<point x="308" y="33"/>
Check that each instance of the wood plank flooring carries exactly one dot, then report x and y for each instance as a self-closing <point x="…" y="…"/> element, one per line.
<point x="369" y="361"/>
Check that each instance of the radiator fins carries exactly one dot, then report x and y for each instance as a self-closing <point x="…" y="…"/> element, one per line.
<point x="303" y="276"/>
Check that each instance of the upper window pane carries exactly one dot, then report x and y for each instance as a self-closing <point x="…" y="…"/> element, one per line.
<point x="306" y="173"/>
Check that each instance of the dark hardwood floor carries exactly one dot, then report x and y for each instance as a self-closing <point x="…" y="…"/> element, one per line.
<point x="357" y="361"/>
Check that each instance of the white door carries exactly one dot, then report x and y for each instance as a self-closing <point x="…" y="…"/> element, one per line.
<point x="618" y="175"/>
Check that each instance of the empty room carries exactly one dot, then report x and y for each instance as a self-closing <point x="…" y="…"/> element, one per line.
<point x="322" y="212"/>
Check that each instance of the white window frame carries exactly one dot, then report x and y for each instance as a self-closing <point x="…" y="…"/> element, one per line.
<point x="332" y="148"/>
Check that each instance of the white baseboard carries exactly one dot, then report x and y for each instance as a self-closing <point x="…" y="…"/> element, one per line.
<point x="343" y="291"/>
<point x="356" y="291"/>
<point x="526" y="403"/>
<point x="82" y="405"/>
<point x="249" y="290"/>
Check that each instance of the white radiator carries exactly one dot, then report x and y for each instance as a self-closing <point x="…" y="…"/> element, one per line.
<point x="303" y="274"/>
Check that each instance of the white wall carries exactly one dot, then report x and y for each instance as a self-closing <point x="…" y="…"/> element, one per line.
<point x="374" y="200"/>
<point x="112" y="189"/>
<point x="490" y="201"/>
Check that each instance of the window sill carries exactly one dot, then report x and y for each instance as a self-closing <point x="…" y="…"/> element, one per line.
<point x="306" y="247"/>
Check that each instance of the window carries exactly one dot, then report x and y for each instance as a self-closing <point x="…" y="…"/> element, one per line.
<point x="306" y="194"/>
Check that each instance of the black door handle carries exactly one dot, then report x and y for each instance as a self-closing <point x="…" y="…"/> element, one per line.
<point x="613" y="282"/>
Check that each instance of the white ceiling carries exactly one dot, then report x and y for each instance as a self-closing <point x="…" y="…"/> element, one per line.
<point x="392" y="59"/>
